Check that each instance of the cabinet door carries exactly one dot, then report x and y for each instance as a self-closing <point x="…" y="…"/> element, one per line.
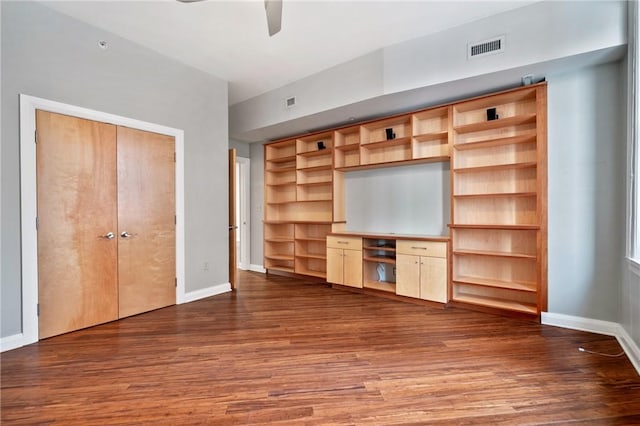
<point x="433" y="283"/>
<point x="334" y="265"/>
<point x="408" y="275"/>
<point x="353" y="268"/>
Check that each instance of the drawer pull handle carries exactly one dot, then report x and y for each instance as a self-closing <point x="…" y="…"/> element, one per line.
<point x="343" y="242"/>
<point x="419" y="248"/>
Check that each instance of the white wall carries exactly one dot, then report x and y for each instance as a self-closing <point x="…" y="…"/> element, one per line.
<point x="49" y="55"/>
<point x="257" y="203"/>
<point x="403" y="200"/>
<point x="586" y="149"/>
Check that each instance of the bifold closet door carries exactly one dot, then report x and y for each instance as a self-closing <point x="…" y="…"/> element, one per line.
<point x="146" y="221"/>
<point x="77" y="245"/>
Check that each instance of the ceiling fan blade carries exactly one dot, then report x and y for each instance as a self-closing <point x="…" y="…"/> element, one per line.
<point x="274" y="15"/>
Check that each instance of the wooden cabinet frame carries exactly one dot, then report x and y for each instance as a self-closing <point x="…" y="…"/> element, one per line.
<point x="498" y="188"/>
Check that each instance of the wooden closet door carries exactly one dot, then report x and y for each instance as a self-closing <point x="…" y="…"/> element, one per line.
<point x="76" y="193"/>
<point x="146" y="219"/>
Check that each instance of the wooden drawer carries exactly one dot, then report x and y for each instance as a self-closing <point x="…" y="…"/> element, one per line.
<point x="422" y="248"/>
<point x="351" y="243"/>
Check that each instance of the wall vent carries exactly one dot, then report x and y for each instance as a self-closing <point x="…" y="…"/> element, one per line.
<point x="486" y="47"/>
<point x="290" y="102"/>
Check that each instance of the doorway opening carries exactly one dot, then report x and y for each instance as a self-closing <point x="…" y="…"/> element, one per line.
<point x="243" y="212"/>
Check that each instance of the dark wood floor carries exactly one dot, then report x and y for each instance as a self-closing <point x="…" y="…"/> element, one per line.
<point x="288" y="352"/>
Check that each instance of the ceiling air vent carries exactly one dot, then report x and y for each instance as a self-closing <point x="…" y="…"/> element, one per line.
<point x="290" y="102"/>
<point x="486" y="47"/>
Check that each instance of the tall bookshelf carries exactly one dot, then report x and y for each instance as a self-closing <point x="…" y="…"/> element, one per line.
<point x="499" y="201"/>
<point x="298" y="204"/>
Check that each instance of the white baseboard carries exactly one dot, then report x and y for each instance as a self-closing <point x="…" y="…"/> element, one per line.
<point x="630" y="347"/>
<point x="608" y="328"/>
<point x="579" y="323"/>
<point x="12" y="342"/>
<point x="206" y="292"/>
<point x="257" y="268"/>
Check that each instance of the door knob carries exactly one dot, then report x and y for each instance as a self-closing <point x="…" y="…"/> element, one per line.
<point x="108" y="235"/>
<point x="125" y="234"/>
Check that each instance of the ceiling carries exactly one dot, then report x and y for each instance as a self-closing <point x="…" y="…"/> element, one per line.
<point x="229" y="39"/>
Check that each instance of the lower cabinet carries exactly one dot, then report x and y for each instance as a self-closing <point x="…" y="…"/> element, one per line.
<point x="422" y="270"/>
<point x="344" y="261"/>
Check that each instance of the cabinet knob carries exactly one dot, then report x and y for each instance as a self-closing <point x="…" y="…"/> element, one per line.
<point x="108" y="235"/>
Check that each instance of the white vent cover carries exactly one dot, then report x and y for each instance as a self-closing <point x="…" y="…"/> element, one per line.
<point x="486" y="47"/>
<point x="290" y="102"/>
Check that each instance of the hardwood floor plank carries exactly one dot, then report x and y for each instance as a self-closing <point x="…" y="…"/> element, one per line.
<point x="285" y="351"/>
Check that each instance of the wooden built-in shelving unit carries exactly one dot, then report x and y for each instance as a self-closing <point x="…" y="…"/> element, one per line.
<point x="498" y="256"/>
<point x="499" y="202"/>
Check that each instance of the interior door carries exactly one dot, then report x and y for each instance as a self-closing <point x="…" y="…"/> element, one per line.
<point x="77" y="248"/>
<point x="233" y="226"/>
<point x="146" y="221"/>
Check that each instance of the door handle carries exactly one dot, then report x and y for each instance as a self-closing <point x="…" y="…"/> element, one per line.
<point x="231" y="228"/>
<point x="125" y="234"/>
<point x="109" y="235"/>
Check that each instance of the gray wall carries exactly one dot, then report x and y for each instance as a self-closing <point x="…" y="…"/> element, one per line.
<point x="539" y="36"/>
<point x="586" y="192"/>
<point x="242" y="148"/>
<point x="49" y="55"/>
<point x="630" y="291"/>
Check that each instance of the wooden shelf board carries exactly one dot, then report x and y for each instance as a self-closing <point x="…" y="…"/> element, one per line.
<point x="495" y="142"/>
<point x="279" y="240"/>
<point x="282" y="159"/>
<point x="315" y="201"/>
<point x="426" y="137"/>
<point x="318" y="274"/>
<point x="387" y="249"/>
<point x="281" y="268"/>
<point x="311" y="256"/>
<point x="494" y="226"/>
<point x="496" y="124"/>
<point x="496" y="303"/>
<point x="293" y="182"/>
<point x="495" y="254"/>
<point x="282" y="169"/>
<point x="326" y="151"/>
<point x="387" y="143"/>
<point x="315" y="168"/>
<point x="496" y="167"/>
<point x="293" y="222"/>
<point x="438" y="159"/>
<point x="380" y="285"/>
<point x="279" y="257"/>
<point x="497" y="195"/>
<point x="326" y="182"/>
<point x="282" y="202"/>
<point x="348" y="147"/>
<point x="380" y="259"/>
<point x="312" y="239"/>
<point x="507" y="285"/>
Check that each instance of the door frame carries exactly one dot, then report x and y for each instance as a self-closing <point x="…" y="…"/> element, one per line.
<point x="28" y="198"/>
<point x="244" y="183"/>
